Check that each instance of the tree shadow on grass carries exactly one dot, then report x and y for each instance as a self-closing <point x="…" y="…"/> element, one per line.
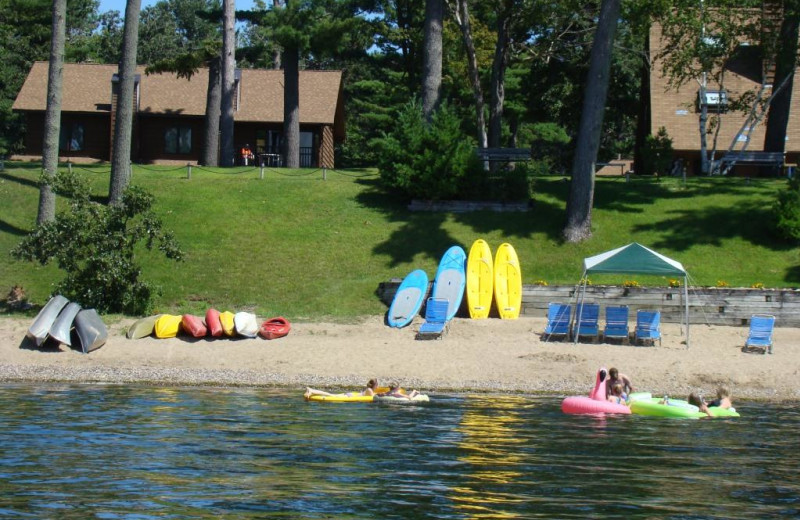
<point x="423" y="231"/>
<point x="11" y="229"/>
<point x="714" y="224"/>
<point x="792" y="274"/>
<point x="31" y="183"/>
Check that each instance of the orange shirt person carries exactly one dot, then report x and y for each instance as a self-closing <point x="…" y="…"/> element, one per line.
<point x="246" y="153"/>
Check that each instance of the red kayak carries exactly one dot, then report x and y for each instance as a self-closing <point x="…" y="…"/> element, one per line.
<point x="194" y="325"/>
<point x="275" y="328"/>
<point x="213" y="323"/>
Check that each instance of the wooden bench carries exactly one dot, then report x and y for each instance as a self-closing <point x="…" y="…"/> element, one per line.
<point x="504" y="154"/>
<point x="774" y="159"/>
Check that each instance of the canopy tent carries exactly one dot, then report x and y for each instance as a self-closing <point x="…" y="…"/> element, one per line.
<point x="636" y="259"/>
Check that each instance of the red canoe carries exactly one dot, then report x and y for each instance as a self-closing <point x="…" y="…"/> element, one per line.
<point x="194" y="325"/>
<point x="275" y="328"/>
<point x="213" y="323"/>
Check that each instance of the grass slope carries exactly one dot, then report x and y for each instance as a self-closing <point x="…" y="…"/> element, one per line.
<point x="297" y="245"/>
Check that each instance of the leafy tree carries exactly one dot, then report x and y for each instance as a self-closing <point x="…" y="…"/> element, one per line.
<point x="96" y="245"/>
<point x="52" y="117"/>
<point x="581" y="193"/>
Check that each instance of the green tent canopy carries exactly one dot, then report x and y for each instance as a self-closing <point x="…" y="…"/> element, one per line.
<point x="633" y="259"/>
<point x="636" y="259"/>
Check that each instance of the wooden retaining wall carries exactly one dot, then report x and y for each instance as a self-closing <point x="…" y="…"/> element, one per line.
<point x="715" y="306"/>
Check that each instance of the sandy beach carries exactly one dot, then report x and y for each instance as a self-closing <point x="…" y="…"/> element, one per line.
<point x="474" y="356"/>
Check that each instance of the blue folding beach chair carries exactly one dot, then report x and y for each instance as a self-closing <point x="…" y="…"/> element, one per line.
<point x="558" y="317"/>
<point x="648" y="326"/>
<point x="617" y="322"/>
<point x="435" y="319"/>
<point x="760" y="335"/>
<point x="587" y="316"/>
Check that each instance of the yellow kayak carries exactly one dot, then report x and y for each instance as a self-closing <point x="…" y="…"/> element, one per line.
<point x="167" y="326"/>
<point x="226" y="320"/>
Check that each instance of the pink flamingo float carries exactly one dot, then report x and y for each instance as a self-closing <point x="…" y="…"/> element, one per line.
<point x="596" y="402"/>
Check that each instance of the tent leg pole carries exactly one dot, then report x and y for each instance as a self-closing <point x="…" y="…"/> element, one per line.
<point x="686" y="300"/>
<point x="583" y="295"/>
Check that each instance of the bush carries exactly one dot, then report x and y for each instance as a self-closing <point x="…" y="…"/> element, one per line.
<point x="427" y="161"/>
<point x="94" y="244"/>
<point x="787" y="210"/>
<point x="657" y="153"/>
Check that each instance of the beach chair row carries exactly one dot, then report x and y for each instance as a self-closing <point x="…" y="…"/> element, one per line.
<point x="561" y="322"/>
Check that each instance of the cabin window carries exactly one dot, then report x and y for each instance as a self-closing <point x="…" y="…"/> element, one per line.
<point x="178" y="140"/>
<point x="71" y="137"/>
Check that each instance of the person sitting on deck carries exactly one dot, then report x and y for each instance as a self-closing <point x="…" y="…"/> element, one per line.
<point x="247" y="154"/>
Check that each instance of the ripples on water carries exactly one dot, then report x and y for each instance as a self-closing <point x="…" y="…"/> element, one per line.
<point x="91" y="451"/>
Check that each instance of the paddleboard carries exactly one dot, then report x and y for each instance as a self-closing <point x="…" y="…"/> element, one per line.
<point x="507" y="282"/>
<point x="480" y="280"/>
<point x="451" y="279"/>
<point x="408" y="299"/>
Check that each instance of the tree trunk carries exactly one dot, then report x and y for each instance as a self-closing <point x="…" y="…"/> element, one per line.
<point x="291" y="107"/>
<point x="499" y="65"/>
<point x="52" y="117"/>
<point x="581" y="193"/>
<point x="461" y="14"/>
<point x="432" y="57"/>
<point x="123" y="127"/>
<point x="276" y="50"/>
<point x="786" y="61"/>
<point x="643" y="120"/>
<point x="705" y="166"/>
<point x="228" y="72"/>
<point x="213" y="100"/>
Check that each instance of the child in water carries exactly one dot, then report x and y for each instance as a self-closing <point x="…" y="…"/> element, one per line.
<point x="617" y="395"/>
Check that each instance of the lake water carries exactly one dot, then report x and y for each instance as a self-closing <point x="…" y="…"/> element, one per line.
<point x="135" y="452"/>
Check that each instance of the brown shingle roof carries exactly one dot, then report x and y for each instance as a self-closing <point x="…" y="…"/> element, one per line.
<point x="87" y="88"/>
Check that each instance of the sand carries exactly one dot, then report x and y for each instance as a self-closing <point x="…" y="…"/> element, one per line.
<point x="473" y="356"/>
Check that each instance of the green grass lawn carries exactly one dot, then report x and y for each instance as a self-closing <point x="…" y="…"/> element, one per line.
<point x="294" y="244"/>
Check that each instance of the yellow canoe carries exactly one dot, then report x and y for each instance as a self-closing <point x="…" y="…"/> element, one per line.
<point x="226" y="319"/>
<point x="480" y="280"/>
<point x="167" y="326"/>
<point x="507" y="282"/>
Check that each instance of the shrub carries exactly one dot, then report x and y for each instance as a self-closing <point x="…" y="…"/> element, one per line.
<point x="95" y="245"/>
<point x="674" y="282"/>
<point x="630" y="283"/>
<point x="787" y="210"/>
<point x="722" y="283"/>
<point x="657" y="153"/>
<point x="757" y="285"/>
<point x="421" y="160"/>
